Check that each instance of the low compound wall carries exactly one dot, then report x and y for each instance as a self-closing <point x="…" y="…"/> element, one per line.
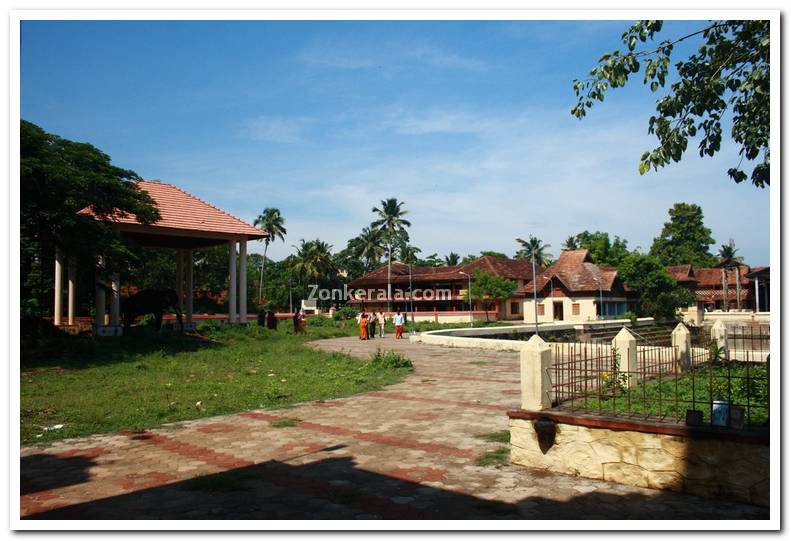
<point x="704" y="461"/>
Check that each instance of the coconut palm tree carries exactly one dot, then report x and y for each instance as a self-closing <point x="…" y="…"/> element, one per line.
<point x="534" y="247"/>
<point x="452" y="259"/>
<point x="407" y="253"/>
<point x="570" y="243"/>
<point x="272" y="223"/>
<point x="390" y="220"/>
<point x="313" y="261"/>
<point x="729" y="260"/>
<point x="368" y="246"/>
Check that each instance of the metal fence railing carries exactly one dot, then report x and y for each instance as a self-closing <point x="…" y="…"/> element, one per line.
<point x="711" y="387"/>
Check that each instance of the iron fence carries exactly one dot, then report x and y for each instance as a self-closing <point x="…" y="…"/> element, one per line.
<point x="710" y="387"/>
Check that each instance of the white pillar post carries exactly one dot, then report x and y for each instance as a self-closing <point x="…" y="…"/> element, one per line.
<point x="757" y="298"/>
<point x="72" y="290"/>
<point x="719" y="334"/>
<point x="626" y="346"/>
<point x="57" y="316"/>
<point x="682" y="342"/>
<point x="99" y="297"/>
<point x="115" y="300"/>
<point x="535" y="360"/>
<point x="232" y="281"/>
<point x="190" y="286"/>
<point x="243" y="281"/>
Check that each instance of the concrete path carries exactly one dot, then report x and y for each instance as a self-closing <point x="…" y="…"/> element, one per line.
<point x="407" y="452"/>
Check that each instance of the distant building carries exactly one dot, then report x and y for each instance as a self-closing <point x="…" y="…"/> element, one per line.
<point x="576" y="289"/>
<point x="440" y="293"/>
<point x="707" y="284"/>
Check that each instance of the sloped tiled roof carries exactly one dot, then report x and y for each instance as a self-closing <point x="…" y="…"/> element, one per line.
<point x="712" y="277"/>
<point x="181" y="210"/>
<point x="577" y="273"/>
<point x="513" y="269"/>
<point x="682" y="273"/>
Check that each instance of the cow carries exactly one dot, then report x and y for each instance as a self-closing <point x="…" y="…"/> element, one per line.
<point x="151" y="301"/>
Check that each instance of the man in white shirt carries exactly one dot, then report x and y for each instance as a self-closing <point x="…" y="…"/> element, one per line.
<point x="398" y="321"/>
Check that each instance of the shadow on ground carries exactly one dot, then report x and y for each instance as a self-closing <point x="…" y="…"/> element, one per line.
<point x="334" y="488"/>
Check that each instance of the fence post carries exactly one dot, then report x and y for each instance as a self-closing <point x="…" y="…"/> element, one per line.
<point x="535" y="360"/>
<point x="719" y="334"/>
<point x="682" y="343"/>
<point x="626" y="345"/>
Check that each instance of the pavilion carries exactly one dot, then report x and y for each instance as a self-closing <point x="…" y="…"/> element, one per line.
<point x="186" y="223"/>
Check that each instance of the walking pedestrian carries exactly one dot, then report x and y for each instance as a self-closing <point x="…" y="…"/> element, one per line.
<point x="398" y="321"/>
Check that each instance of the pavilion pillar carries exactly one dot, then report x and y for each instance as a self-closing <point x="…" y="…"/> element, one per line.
<point x="99" y="298"/>
<point x="757" y="297"/>
<point x="243" y="281"/>
<point x="115" y="300"/>
<point x="232" y="281"/>
<point x="190" y="286"/>
<point x="57" y="316"/>
<point x="72" y="273"/>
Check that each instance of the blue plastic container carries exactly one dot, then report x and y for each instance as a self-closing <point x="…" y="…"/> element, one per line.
<point x="720" y="410"/>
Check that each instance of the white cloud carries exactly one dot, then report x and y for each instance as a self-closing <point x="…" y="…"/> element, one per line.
<point x="276" y="129"/>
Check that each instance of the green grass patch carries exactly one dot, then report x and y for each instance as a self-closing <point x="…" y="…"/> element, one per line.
<point x="503" y="436"/>
<point x="151" y="378"/>
<point x="285" y="423"/>
<point x="497" y="457"/>
<point x="744" y="384"/>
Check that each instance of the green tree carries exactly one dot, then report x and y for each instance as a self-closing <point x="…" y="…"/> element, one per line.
<point x="58" y="178"/>
<point x="570" y="243"/>
<point x="472" y="257"/>
<point x="727" y="75"/>
<point x="431" y="260"/>
<point x="452" y="259"/>
<point x="271" y="222"/>
<point x="488" y="288"/>
<point x="407" y="253"/>
<point x="314" y="263"/>
<point x="659" y="295"/>
<point x="390" y="220"/>
<point x="602" y="251"/>
<point x="369" y="247"/>
<point x="684" y="239"/>
<point x="534" y="247"/>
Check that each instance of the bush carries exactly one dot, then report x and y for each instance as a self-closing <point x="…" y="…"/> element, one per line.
<point x="345" y="312"/>
<point x="390" y="359"/>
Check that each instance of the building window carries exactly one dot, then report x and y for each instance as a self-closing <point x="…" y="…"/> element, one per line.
<point x="575" y="309"/>
<point x="540" y="309"/>
<point x="514" y="307"/>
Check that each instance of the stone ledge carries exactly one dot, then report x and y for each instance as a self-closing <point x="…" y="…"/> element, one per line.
<point x="753" y="436"/>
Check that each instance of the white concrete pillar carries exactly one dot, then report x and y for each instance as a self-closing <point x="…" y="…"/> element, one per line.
<point x="115" y="299"/>
<point x="72" y="290"/>
<point x="625" y="345"/>
<point x="243" y="281"/>
<point x="99" y="296"/>
<point x="757" y="297"/>
<point x="57" y="315"/>
<point x="719" y="334"/>
<point x="682" y="342"/>
<point x="232" y="281"/>
<point x="190" y="294"/>
<point x="535" y="360"/>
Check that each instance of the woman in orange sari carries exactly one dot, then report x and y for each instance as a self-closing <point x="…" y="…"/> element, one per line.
<point x="363" y="325"/>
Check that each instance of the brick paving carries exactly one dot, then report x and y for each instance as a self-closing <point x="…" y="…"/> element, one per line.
<point x="406" y="452"/>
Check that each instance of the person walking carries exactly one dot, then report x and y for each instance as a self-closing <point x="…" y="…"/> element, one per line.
<point x="271" y="320"/>
<point x="363" y="321"/>
<point x="372" y="326"/>
<point x="398" y="321"/>
<point x="380" y="320"/>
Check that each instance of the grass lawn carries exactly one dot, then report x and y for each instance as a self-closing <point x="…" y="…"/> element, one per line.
<point x="748" y="387"/>
<point x="149" y="378"/>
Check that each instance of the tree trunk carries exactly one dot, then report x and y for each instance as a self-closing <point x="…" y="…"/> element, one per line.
<point x="724" y="289"/>
<point x="738" y="288"/>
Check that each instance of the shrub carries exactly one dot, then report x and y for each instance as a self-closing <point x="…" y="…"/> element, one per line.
<point x="345" y="312"/>
<point x="390" y="359"/>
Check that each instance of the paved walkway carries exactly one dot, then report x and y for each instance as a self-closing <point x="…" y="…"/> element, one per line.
<point x="405" y="452"/>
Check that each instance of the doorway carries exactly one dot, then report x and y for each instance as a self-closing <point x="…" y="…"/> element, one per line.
<point x="557" y="311"/>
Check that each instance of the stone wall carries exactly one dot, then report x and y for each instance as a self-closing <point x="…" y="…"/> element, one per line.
<point x="694" y="463"/>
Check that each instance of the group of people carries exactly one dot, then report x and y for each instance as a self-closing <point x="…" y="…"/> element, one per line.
<point x="369" y="322"/>
<point x="267" y="318"/>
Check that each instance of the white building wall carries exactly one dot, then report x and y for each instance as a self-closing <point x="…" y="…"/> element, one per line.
<point x="587" y="308"/>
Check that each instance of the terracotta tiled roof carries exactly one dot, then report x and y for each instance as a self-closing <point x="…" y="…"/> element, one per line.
<point x="711" y="295"/>
<point x="575" y="271"/>
<point x="514" y="269"/>
<point x="713" y="277"/>
<point x="181" y="210"/>
<point x="682" y="273"/>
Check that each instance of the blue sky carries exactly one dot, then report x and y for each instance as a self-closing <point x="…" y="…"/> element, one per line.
<point x="467" y="122"/>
